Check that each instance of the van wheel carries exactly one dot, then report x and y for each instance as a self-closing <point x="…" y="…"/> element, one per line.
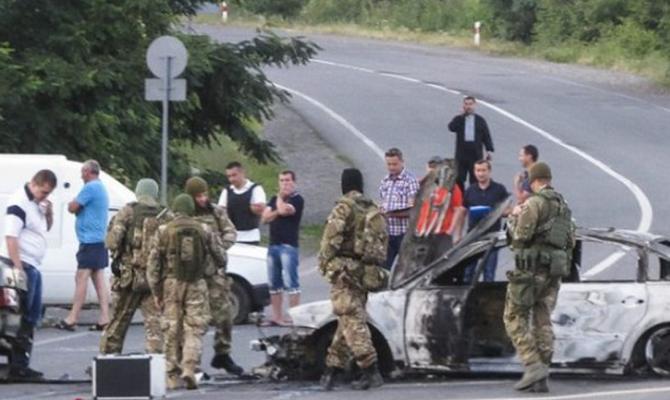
<point x="657" y="351"/>
<point x="240" y="302"/>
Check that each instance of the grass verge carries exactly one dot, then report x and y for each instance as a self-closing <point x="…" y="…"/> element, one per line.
<point x="654" y="66"/>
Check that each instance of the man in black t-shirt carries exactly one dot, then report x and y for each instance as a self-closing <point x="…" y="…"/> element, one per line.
<point x="283" y="213"/>
<point x="481" y="198"/>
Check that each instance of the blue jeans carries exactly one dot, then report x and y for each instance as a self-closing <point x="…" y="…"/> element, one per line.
<point x="283" y="264"/>
<point x="489" y="268"/>
<point x="32" y="299"/>
<point x="394" y="247"/>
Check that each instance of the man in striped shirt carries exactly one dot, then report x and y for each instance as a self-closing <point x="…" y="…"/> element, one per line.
<point x="397" y="192"/>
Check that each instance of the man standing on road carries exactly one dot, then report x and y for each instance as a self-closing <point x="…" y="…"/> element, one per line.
<point x="283" y="213"/>
<point x="244" y="201"/>
<point x="397" y="194"/>
<point x="543" y="237"/>
<point x="472" y="136"/>
<point x="528" y="156"/>
<point x="176" y="277"/>
<point x="91" y="207"/>
<point x="28" y="219"/>
<point x="218" y="282"/>
<point x="480" y="199"/>
<point x="343" y="260"/>
<point x="128" y="239"/>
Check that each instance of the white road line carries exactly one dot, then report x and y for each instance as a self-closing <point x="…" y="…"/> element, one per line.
<point x="61" y="338"/>
<point x="340" y="119"/>
<point x="591" y="395"/>
<point x="646" y="209"/>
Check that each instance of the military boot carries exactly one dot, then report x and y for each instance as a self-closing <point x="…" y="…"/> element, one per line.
<point x="224" y="361"/>
<point x="534" y="372"/>
<point x="371" y="378"/>
<point x="327" y="380"/>
<point x="190" y="380"/>
<point x="173" y="382"/>
<point x="540" y="386"/>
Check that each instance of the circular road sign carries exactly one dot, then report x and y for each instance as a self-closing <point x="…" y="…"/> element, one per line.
<point x="162" y="49"/>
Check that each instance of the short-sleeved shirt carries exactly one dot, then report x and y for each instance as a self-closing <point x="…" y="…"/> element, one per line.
<point x="257" y="196"/>
<point x="91" y="224"/>
<point x="27" y="222"/>
<point x="398" y="193"/>
<point x="286" y="229"/>
<point x="493" y="195"/>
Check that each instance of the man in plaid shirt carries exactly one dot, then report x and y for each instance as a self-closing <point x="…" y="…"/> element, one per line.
<point x="397" y="192"/>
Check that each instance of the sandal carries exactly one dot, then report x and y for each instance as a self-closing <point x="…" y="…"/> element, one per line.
<point x="63" y="325"/>
<point x="98" y="327"/>
<point x="269" y="322"/>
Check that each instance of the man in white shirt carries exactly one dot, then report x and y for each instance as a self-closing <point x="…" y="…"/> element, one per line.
<point x="244" y="201"/>
<point x="28" y="218"/>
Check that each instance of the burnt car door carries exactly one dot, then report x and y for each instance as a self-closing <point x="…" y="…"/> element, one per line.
<point x="435" y="337"/>
<point x="593" y="318"/>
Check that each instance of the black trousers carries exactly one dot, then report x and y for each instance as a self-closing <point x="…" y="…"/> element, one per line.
<point x="466" y="169"/>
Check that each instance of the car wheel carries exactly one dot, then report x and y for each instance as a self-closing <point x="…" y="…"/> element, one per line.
<point x="657" y="351"/>
<point x="240" y="302"/>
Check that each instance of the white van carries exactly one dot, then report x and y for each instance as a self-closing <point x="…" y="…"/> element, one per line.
<point x="247" y="265"/>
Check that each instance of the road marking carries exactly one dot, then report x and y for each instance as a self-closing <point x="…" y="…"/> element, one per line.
<point x="646" y="210"/>
<point x="587" y="395"/>
<point x="61" y="338"/>
<point x="340" y="119"/>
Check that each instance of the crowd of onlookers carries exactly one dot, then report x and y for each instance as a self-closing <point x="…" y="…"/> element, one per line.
<point x="473" y="194"/>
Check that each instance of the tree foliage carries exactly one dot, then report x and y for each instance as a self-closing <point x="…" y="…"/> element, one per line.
<point x="72" y="76"/>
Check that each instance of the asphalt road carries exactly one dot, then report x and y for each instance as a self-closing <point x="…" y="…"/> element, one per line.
<point x="606" y="143"/>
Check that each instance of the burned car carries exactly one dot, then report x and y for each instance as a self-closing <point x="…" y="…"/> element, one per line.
<point x="11" y="282"/>
<point x="429" y="320"/>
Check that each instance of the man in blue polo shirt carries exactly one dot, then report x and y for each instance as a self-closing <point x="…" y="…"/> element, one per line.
<point x="480" y="198"/>
<point x="91" y="207"/>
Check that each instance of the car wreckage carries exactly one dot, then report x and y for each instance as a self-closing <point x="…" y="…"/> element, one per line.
<point x="430" y="320"/>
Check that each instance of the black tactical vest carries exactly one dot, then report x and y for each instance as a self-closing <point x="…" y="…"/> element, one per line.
<point x="239" y="210"/>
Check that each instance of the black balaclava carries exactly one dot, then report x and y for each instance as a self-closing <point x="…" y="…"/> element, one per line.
<point x="352" y="179"/>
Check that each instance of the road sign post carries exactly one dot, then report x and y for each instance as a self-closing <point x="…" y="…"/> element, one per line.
<point x="166" y="58"/>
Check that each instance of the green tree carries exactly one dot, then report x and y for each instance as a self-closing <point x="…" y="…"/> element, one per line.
<point x="72" y="76"/>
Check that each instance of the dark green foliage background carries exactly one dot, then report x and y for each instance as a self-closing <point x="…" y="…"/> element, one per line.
<point x="72" y="82"/>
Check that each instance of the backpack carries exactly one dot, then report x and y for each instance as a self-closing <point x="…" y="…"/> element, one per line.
<point x="370" y="234"/>
<point x="136" y="239"/>
<point x="558" y="233"/>
<point x="187" y="246"/>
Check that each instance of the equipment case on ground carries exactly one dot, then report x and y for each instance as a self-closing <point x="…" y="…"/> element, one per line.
<point x="135" y="376"/>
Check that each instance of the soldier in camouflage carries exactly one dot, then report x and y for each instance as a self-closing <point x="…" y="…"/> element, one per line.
<point x="218" y="283"/>
<point x="543" y="237"/>
<point x="176" y="275"/>
<point x="129" y="241"/>
<point x="344" y="267"/>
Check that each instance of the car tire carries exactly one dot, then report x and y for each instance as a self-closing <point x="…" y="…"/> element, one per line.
<point x="657" y="351"/>
<point x="240" y="302"/>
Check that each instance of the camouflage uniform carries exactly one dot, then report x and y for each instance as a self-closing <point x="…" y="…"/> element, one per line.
<point x="344" y="271"/>
<point x="186" y="312"/>
<point x="532" y="290"/>
<point x="129" y="290"/>
<point x="218" y="282"/>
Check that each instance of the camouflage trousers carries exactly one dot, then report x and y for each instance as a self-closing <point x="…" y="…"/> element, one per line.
<point x="222" y="312"/>
<point x="185" y="319"/>
<point x="352" y="336"/>
<point x="529" y="302"/>
<point x="126" y="302"/>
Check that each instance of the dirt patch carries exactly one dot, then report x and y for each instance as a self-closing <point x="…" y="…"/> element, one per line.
<point x="316" y="165"/>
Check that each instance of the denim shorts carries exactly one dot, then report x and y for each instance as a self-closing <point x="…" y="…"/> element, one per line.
<point x="92" y="256"/>
<point x="283" y="268"/>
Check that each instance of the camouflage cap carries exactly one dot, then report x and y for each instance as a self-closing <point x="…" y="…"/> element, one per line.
<point x="184" y="204"/>
<point x="196" y="185"/>
<point x="146" y="188"/>
<point x="539" y="171"/>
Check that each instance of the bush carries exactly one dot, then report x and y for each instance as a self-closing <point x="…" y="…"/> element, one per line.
<point x="282" y="8"/>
